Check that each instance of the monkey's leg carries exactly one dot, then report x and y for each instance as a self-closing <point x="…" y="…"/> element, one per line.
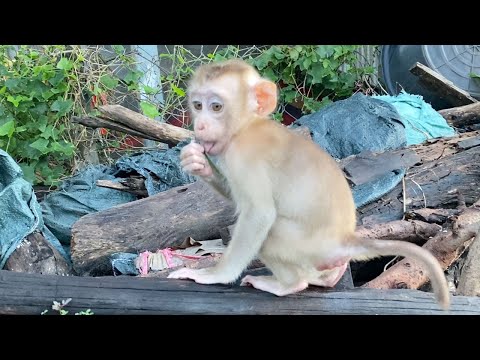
<point x="329" y="277"/>
<point x="290" y="282"/>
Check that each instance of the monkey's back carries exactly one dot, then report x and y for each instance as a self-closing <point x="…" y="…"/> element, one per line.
<point x="308" y="185"/>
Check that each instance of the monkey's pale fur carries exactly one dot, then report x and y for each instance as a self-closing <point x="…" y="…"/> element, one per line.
<point x="295" y="208"/>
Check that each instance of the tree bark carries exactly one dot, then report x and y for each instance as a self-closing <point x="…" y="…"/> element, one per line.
<point x="447" y="247"/>
<point x="445" y="167"/>
<point x="469" y="282"/>
<point x="163" y="220"/>
<point x="462" y="116"/>
<point x="163" y="132"/>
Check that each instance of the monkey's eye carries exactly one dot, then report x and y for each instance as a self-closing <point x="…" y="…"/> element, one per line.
<point x="197" y="105"/>
<point x="216" y="106"/>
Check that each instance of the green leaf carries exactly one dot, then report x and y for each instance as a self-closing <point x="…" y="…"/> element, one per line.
<point x="109" y="81"/>
<point x="14" y="85"/>
<point x="57" y="79"/>
<point x="2" y="90"/>
<point x="475" y="76"/>
<point x="119" y="49"/>
<point x="21" y="128"/>
<point x="149" y="109"/>
<point x="40" y="145"/>
<point x="37" y="89"/>
<point x="15" y="100"/>
<point x="279" y="55"/>
<point x="65" y="64"/>
<point x="63" y="148"/>
<point x="270" y="74"/>
<point x="306" y="63"/>
<point x="178" y="91"/>
<point x="149" y="90"/>
<point x="60" y="88"/>
<point x="7" y="129"/>
<point x="317" y="72"/>
<point x="62" y="106"/>
<point x="39" y="109"/>
<point x="261" y="62"/>
<point x="290" y="95"/>
<point x="47" y="94"/>
<point x="49" y="132"/>
<point x="3" y="70"/>
<point x="28" y="171"/>
<point x="132" y="76"/>
<point x="294" y="54"/>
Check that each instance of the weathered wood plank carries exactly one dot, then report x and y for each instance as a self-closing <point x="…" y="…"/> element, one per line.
<point x="32" y="293"/>
<point x="441" y="85"/>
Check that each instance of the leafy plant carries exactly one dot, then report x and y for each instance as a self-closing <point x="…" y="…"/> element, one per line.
<point x="309" y="76"/>
<point x="40" y="88"/>
<point x="312" y="76"/>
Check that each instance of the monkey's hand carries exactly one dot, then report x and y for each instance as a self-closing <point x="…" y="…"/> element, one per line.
<point x="201" y="276"/>
<point x="193" y="160"/>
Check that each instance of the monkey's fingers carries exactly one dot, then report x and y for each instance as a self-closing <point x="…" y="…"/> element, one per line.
<point x="193" y="147"/>
<point x="198" y="169"/>
<point x="201" y="276"/>
<point x="184" y="273"/>
<point x="199" y="159"/>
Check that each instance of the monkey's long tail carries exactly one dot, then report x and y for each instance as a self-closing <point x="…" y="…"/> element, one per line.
<point x="377" y="247"/>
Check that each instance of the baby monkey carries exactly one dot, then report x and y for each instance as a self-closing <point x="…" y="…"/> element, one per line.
<point x="295" y="208"/>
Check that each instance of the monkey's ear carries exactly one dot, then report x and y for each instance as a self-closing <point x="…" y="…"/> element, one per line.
<point x="266" y="94"/>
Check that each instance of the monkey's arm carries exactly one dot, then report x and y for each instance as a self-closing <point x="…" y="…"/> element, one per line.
<point x="257" y="214"/>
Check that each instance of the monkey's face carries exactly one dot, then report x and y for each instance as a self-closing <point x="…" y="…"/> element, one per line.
<point x="214" y="107"/>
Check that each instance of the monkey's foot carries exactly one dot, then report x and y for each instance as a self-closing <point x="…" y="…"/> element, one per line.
<point x="200" y="276"/>
<point x="330" y="277"/>
<point x="272" y="285"/>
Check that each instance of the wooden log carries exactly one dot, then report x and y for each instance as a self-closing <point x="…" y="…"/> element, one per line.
<point x="462" y="116"/>
<point x="163" y="220"/>
<point x="444" y="168"/>
<point x="36" y="255"/>
<point x="436" y="216"/>
<point x="95" y="122"/>
<point x="414" y="231"/>
<point x="447" y="247"/>
<point x="441" y="85"/>
<point x="166" y="133"/>
<point x="32" y="294"/>
<point x="469" y="282"/>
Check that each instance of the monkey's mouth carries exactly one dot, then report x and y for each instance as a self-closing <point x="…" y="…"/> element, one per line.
<point x="208" y="146"/>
